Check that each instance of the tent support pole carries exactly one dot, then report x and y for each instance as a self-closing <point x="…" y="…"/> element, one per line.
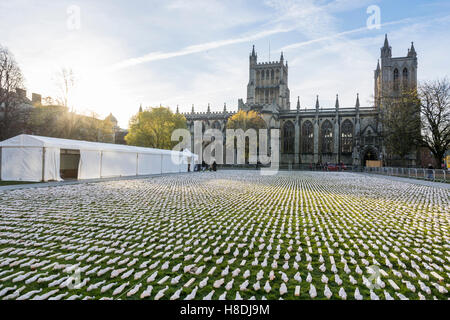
<point x="137" y="163"/>
<point x="43" y="164"/>
<point x="101" y="161"/>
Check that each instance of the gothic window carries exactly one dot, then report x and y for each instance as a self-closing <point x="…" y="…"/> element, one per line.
<point x="216" y="125"/>
<point x="405" y="78"/>
<point x="307" y="137"/>
<point x="272" y="76"/>
<point x="396" y="79"/>
<point x="327" y="137"/>
<point x="347" y="137"/>
<point x="369" y="137"/>
<point x="258" y="75"/>
<point x="288" y="137"/>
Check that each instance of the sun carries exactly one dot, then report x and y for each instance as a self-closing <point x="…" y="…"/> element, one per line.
<point x="93" y="92"/>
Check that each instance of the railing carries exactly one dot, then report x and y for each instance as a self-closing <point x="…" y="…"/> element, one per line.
<point x="295" y="167"/>
<point x="416" y="173"/>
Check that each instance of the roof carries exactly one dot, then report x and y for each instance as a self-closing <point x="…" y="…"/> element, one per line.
<point x="25" y="140"/>
<point x="111" y="118"/>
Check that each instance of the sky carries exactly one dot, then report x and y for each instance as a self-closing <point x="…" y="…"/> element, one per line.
<point x="127" y="53"/>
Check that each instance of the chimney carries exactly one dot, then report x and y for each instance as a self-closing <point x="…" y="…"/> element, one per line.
<point x="36" y="99"/>
<point x="21" y="93"/>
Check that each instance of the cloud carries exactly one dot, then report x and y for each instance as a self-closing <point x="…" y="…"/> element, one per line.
<point x="301" y="15"/>
<point x="342" y="34"/>
<point x="348" y="5"/>
<point x="196" y="52"/>
<point x="154" y="56"/>
<point x="306" y="16"/>
<point x="345" y="65"/>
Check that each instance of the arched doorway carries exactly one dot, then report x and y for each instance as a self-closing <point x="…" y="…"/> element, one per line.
<point x="369" y="153"/>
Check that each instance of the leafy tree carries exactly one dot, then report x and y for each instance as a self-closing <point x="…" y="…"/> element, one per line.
<point x="55" y="121"/>
<point x="91" y="128"/>
<point x="153" y="128"/>
<point x="435" y="109"/>
<point x="246" y="120"/>
<point x="49" y="121"/>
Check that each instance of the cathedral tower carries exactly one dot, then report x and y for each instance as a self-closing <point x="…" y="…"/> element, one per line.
<point x="394" y="75"/>
<point x="268" y="84"/>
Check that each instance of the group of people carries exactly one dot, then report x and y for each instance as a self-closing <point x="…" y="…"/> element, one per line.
<point x="205" y="167"/>
<point x="327" y="166"/>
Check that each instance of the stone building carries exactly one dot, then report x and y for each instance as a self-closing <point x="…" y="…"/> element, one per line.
<point x="118" y="134"/>
<point x="13" y="121"/>
<point x="340" y="134"/>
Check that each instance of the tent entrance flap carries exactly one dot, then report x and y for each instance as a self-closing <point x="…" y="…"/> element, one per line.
<point x="70" y="161"/>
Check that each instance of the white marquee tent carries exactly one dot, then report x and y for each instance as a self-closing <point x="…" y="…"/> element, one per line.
<point x="36" y="158"/>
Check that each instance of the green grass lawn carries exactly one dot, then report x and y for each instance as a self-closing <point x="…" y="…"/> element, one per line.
<point x="220" y="226"/>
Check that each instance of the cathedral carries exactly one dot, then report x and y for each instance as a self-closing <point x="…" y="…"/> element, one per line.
<point x="344" y="134"/>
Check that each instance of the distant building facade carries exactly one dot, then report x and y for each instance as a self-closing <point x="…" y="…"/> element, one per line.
<point x="17" y="115"/>
<point x="349" y="134"/>
<point x="118" y="134"/>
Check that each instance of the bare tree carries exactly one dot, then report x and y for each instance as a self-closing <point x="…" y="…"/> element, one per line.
<point x="65" y="81"/>
<point x="435" y="110"/>
<point x="400" y="117"/>
<point x="12" y="119"/>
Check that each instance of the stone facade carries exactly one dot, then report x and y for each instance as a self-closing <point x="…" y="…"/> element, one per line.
<point x="118" y="134"/>
<point x="349" y="135"/>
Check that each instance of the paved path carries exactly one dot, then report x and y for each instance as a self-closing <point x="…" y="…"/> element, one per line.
<point x="71" y="182"/>
<point x="411" y="180"/>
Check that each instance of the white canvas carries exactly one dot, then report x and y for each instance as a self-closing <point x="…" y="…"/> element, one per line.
<point x="22" y="164"/>
<point x="149" y="164"/>
<point x="169" y="166"/>
<point x="23" y="161"/>
<point x="89" y="167"/>
<point x="52" y="164"/>
<point x="117" y="164"/>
